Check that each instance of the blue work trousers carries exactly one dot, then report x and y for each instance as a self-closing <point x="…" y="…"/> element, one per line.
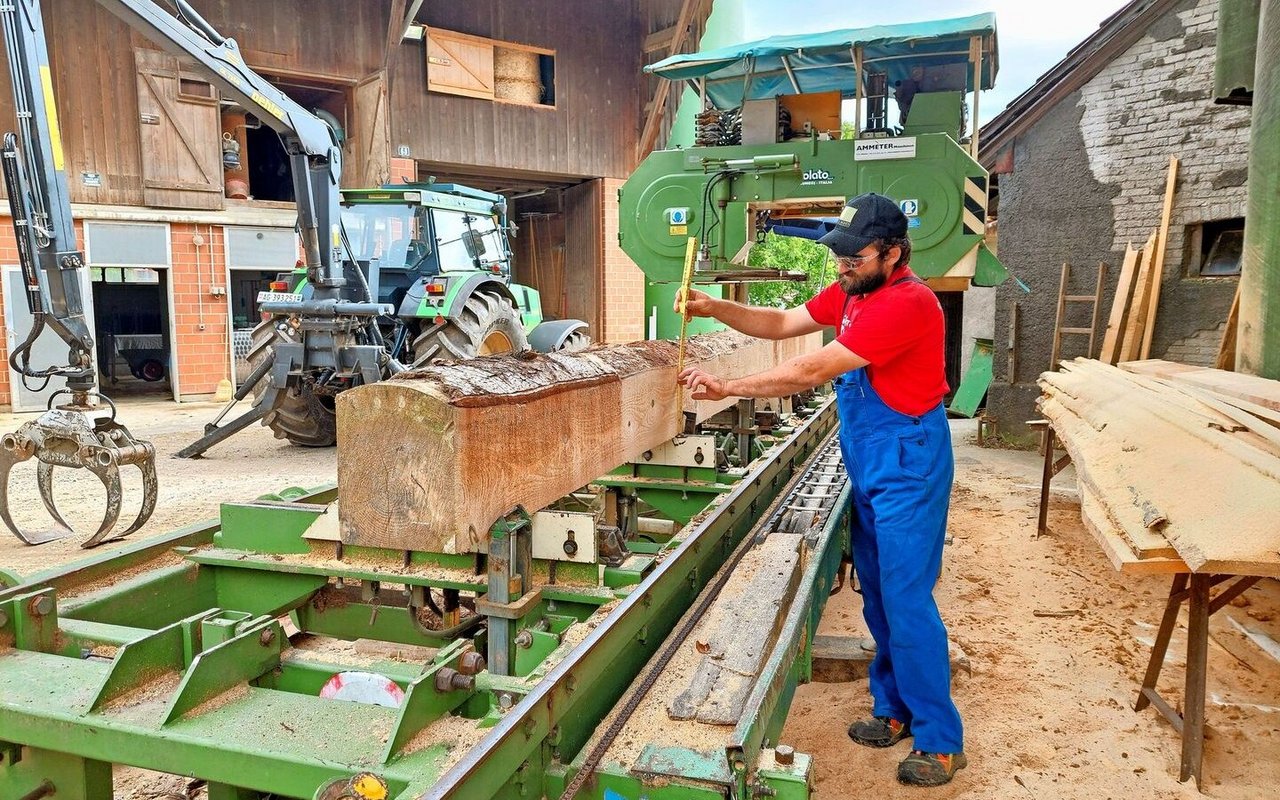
<point x="901" y="468"/>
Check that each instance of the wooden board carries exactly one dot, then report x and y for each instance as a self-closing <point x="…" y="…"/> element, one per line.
<point x="1120" y="306"/>
<point x="1262" y="391"/>
<point x="1153" y="455"/>
<point x="1162" y="239"/>
<point x="1227" y="348"/>
<point x="1135" y="324"/>
<point x="1113" y="545"/>
<point x="430" y="460"/>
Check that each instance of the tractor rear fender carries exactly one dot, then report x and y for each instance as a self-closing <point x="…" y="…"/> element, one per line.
<point x="416" y="304"/>
<point x="551" y="335"/>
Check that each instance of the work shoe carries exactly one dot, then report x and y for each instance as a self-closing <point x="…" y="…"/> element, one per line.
<point x="879" y="731"/>
<point x="930" y="769"/>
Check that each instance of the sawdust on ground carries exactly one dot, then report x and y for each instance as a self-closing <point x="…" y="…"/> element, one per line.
<point x="1047" y="708"/>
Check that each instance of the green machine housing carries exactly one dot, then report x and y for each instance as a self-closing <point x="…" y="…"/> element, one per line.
<point x="737" y="183"/>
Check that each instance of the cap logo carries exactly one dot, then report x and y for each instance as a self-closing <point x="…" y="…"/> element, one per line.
<point x="846" y="215"/>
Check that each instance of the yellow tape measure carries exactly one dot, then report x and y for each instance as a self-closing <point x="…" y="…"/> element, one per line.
<point x="689" y="252"/>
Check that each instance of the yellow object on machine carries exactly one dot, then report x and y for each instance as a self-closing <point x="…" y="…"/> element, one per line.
<point x="683" y="299"/>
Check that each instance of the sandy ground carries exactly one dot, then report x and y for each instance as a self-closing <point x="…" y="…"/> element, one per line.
<point x="1047" y="706"/>
<point x="250" y="464"/>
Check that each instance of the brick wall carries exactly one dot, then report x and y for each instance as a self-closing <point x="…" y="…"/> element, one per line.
<point x="624" y="311"/>
<point x="402" y="169"/>
<point x="1200" y="348"/>
<point x="199" y="317"/>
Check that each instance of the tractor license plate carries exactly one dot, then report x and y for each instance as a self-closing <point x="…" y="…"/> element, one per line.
<point x="279" y="297"/>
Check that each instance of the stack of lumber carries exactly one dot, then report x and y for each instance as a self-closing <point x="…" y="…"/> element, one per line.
<point x="1132" y="321"/>
<point x="430" y="460"/>
<point x="1178" y="466"/>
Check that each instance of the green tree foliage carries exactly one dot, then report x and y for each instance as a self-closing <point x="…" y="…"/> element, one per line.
<point x="790" y="253"/>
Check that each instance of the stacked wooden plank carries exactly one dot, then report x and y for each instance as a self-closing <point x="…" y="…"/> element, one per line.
<point x="429" y="460"/>
<point x="1178" y="467"/>
<point x="1131" y="324"/>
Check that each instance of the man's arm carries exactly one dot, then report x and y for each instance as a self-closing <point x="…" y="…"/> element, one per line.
<point x="758" y="321"/>
<point x="792" y="376"/>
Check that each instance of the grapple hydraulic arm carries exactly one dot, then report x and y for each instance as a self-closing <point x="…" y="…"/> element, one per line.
<point x="81" y="433"/>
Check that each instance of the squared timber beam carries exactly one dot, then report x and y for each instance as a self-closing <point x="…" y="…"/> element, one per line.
<point x="429" y="460"/>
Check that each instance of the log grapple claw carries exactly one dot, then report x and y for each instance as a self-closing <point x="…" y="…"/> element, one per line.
<point x="77" y="437"/>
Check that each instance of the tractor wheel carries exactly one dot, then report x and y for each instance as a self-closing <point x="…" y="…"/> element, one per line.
<point x="488" y="325"/>
<point x="301" y="416"/>
<point x="578" y="340"/>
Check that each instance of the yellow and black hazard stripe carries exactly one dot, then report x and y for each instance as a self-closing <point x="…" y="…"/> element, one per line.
<point x="975" y="205"/>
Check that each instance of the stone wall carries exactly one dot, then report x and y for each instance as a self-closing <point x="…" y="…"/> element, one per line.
<point x="1089" y="178"/>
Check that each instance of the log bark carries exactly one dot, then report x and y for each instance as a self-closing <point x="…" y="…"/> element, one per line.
<point x="429" y="460"/>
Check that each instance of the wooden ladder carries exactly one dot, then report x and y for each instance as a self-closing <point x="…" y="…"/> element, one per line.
<point x="1059" y="325"/>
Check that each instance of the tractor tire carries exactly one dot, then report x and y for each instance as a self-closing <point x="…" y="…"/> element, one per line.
<point x="300" y="416"/>
<point x="488" y="325"/>
<point x="578" y="340"/>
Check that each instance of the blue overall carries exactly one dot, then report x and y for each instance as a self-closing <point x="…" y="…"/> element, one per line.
<point x="901" y="468"/>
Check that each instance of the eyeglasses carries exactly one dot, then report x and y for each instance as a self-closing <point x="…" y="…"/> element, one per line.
<point x="853" y="262"/>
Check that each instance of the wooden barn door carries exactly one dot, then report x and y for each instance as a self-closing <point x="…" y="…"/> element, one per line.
<point x="368" y="148"/>
<point x="180" y="134"/>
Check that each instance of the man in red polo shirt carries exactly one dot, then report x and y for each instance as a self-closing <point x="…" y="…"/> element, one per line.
<point x="888" y="370"/>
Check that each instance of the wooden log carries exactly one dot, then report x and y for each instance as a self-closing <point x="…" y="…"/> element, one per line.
<point x="429" y="460"/>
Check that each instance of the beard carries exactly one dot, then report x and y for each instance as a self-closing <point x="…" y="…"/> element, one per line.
<point x="855" y="284"/>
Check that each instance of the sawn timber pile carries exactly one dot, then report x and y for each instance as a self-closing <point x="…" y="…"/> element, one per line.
<point x="430" y="460"/>
<point x="1169" y="472"/>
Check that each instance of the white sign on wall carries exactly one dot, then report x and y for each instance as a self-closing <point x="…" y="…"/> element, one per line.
<point x="875" y="149"/>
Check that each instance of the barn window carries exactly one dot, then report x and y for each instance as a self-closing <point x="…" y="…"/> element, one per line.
<point x="472" y="66"/>
<point x="1215" y="248"/>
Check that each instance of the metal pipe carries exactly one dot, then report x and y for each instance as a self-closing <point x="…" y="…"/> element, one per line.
<point x="45" y="789"/>
<point x="1258" y="336"/>
<point x="329" y="308"/>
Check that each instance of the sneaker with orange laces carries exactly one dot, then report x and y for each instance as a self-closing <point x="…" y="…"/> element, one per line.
<point x="930" y="769"/>
<point x="879" y="731"/>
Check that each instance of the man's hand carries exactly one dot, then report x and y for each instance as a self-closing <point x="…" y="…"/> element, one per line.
<point x="704" y="385"/>
<point x="698" y="305"/>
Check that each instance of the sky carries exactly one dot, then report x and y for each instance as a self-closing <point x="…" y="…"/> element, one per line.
<point x="1031" y="36"/>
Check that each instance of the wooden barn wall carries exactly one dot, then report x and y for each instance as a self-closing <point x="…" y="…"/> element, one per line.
<point x="583" y="257"/>
<point x="593" y="127"/>
<point x="91" y="54"/>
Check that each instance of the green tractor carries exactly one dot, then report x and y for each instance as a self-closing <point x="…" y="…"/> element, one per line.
<point x="439" y="255"/>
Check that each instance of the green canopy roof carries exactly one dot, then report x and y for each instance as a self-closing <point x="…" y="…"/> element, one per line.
<point x="823" y="62"/>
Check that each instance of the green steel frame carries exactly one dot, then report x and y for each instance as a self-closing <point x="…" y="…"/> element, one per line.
<point x="174" y="654"/>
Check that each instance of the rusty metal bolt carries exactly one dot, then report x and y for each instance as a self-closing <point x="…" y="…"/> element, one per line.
<point x="471" y="663"/>
<point x="785" y="755"/>
<point x="506" y="700"/>
<point x="39" y="606"/>
<point x="524" y="639"/>
<point x="448" y="680"/>
<point x="267" y="636"/>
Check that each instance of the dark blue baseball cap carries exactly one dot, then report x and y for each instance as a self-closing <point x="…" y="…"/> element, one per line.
<point x="865" y="219"/>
